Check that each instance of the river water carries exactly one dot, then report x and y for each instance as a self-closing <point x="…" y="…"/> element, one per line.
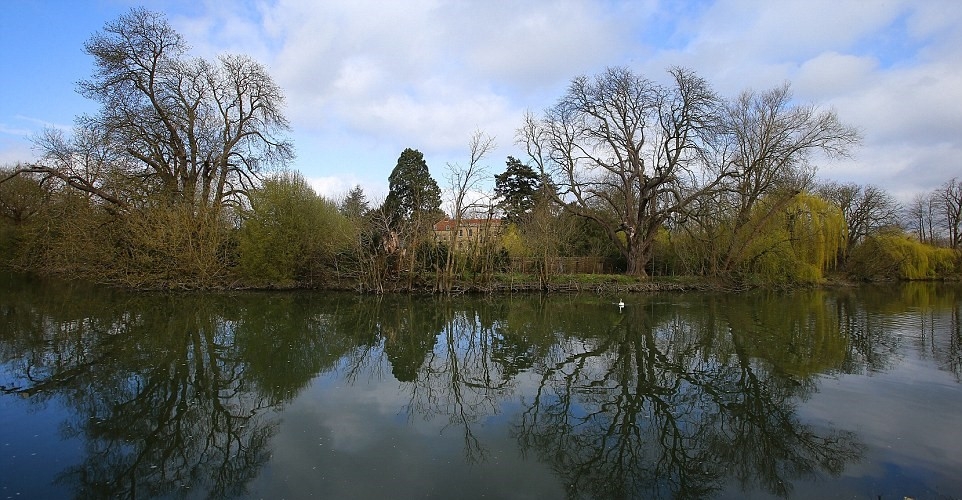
<point x="850" y="393"/>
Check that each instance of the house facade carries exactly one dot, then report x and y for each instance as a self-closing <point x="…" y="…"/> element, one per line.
<point x="470" y="233"/>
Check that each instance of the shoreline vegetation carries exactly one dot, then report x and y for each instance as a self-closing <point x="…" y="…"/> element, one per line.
<point x="180" y="181"/>
<point x="510" y="283"/>
<point x="514" y="283"/>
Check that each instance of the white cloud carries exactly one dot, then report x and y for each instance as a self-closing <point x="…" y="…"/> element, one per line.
<point x="920" y="105"/>
<point x="902" y="169"/>
<point x="830" y="74"/>
<point x="13" y="130"/>
<point x="365" y="79"/>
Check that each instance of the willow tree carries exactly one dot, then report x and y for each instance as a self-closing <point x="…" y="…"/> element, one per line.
<point x="799" y="240"/>
<point x="627" y="153"/>
<point x="893" y="255"/>
<point x="765" y="150"/>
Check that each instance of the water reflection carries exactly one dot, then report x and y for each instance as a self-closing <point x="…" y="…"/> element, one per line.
<point x="676" y="396"/>
<point x="644" y="409"/>
<point x="159" y="391"/>
<point x="878" y="323"/>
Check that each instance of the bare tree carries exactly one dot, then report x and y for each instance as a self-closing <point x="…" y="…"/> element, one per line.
<point x="463" y="181"/>
<point x="867" y="209"/>
<point x="176" y="144"/>
<point x="920" y="215"/>
<point x="85" y="161"/>
<point x="195" y="132"/>
<point x="627" y="153"/>
<point x="546" y="233"/>
<point x="949" y="200"/>
<point x="764" y="151"/>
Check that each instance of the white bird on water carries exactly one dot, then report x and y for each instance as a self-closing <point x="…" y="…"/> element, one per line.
<point x="621" y="305"/>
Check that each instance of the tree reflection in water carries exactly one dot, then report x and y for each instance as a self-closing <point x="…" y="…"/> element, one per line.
<point x="463" y="371"/>
<point x="676" y="396"/>
<point x="656" y="404"/>
<point x="171" y="394"/>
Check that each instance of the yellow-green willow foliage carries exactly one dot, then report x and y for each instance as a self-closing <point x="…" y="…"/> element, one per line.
<point x="801" y="336"/>
<point x="290" y="235"/>
<point x="796" y="244"/>
<point x="895" y="256"/>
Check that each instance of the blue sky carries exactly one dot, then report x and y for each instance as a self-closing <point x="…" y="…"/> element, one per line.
<point x="366" y="79"/>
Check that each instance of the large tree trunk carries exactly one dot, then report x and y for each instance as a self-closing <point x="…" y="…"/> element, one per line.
<point x="639" y="254"/>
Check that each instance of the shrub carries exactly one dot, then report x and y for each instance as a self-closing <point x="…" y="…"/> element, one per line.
<point x="894" y="256"/>
<point x="290" y="234"/>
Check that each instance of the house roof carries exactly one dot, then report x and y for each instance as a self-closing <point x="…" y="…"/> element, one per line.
<point x="449" y="225"/>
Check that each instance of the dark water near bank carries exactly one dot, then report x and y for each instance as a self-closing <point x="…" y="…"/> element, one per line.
<point x="811" y="394"/>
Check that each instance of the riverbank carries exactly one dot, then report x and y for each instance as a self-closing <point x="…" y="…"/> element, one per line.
<point x="499" y="283"/>
<point x="531" y="283"/>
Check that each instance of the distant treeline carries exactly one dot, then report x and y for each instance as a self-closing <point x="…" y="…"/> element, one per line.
<point x="180" y="181"/>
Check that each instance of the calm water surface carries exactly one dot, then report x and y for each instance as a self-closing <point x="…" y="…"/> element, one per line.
<point x="812" y="394"/>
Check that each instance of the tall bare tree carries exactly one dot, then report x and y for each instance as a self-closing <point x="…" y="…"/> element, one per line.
<point x="765" y="150"/>
<point x="920" y="215"/>
<point x="867" y="209"/>
<point x="627" y="153"/>
<point x="463" y="182"/>
<point x="198" y="133"/>
<point x="175" y="141"/>
<point x="949" y="200"/>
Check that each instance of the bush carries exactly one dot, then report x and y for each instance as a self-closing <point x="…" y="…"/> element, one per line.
<point x="290" y="235"/>
<point x="895" y="256"/>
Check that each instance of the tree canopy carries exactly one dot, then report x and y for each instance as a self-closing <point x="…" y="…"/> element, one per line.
<point x="172" y="128"/>
<point x="626" y="152"/>
<point x="173" y="183"/>
<point x="516" y="190"/>
<point x="635" y="156"/>
<point x="412" y="193"/>
<point x="354" y="205"/>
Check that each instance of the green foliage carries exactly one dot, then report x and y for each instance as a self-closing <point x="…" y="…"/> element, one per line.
<point x="172" y="246"/>
<point x="795" y="244"/>
<point x="893" y="256"/>
<point x="588" y="238"/>
<point x="69" y="236"/>
<point x="412" y="192"/>
<point x="663" y="260"/>
<point x="354" y="205"/>
<point x="21" y="196"/>
<point x="290" y="233"/>
<point x="9" y="236"/>
<point x="511" y="241"/>
<point x="516" y="190"/>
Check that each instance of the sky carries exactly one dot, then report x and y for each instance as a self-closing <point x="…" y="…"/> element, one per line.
<point x="364" y="80"/>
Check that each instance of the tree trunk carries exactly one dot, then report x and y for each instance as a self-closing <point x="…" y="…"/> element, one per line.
<point x="638" y="256"/>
